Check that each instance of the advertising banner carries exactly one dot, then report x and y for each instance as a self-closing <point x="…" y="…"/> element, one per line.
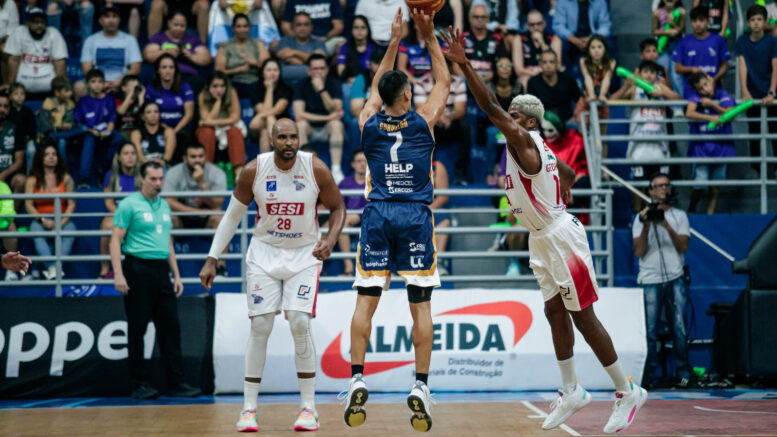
<point x="77" y="347"/>
<point x="484" y="340"/>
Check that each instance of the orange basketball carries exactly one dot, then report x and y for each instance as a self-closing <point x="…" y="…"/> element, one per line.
<point x="426" y="6"/>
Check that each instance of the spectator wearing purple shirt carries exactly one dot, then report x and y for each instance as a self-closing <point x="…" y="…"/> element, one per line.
<point x="701" y="52"/>
<point x="186" y="48"/>
<point x="97" y="113"/>
<point x="355" y="181"/>
<point x="702" y="107"/>
<point x="123" y="177"/>
<point x="174" y="97"/>
<point x="354" y="56"/>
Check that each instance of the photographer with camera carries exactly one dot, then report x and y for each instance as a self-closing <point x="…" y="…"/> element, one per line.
<point x="661" y="234"/>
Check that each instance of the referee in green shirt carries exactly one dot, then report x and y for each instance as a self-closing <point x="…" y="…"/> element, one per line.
<point x="141" y="231"/>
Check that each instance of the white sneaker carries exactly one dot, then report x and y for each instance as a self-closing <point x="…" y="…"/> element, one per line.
<point x="307" y="420"/>
<point x="357" y="395"/>
<point x="337" y="175"/>
<point x="11" y="276"/>
<point x="625" y="408"/>
<point x="50" y="273"/>
<point x="419" y="401"/>
<point x="247" y="421"/>
<point x="565" y="406"/>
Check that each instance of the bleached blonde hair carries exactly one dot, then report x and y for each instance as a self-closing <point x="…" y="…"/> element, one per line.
<point x="530" y="105"/>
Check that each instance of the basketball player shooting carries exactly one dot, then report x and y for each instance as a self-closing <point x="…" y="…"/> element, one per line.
<point x="397" y="231"/>
<point x="536" y="184"/>
<point x="284" y="258"/>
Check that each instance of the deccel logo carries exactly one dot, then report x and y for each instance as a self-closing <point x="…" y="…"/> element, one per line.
<point x="460" y="333"/>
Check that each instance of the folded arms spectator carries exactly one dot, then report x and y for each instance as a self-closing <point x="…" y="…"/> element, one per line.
<point x="241" y="57"/>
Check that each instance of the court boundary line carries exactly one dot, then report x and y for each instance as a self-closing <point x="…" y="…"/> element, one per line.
<point x="543" y="415"/>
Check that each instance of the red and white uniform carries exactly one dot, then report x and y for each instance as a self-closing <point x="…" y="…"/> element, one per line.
<point x="558" y="247"/>
<point x="282" y="272"/>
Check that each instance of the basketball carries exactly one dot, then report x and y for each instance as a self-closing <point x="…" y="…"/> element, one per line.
<point x="426" y="6"/>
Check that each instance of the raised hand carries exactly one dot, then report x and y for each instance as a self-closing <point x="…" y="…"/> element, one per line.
<point x="424" y="22"/>
<point x="396" y="26"/>
<point x="455" y="43"/>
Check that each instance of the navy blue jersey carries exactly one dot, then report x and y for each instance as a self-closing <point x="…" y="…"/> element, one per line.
<point x="399" y="158"/>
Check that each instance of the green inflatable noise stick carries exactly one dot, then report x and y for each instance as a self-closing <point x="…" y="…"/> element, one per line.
<point x="622" y="72"/>
<point x="664" y="39"/>
<point x="732" y="113"/>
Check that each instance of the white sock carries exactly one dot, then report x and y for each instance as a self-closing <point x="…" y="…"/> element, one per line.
<point x="335" y="168"/>
<point x="568" y="376"/>
<point x="618" y="377"/>
<point x="307" y="392"/>
<point x="250" y="393"/>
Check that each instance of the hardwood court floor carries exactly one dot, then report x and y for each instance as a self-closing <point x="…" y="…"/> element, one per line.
<point x="450" y="420"/>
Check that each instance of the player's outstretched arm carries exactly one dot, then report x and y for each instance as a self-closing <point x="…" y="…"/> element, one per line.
<point x="387" y="64"/>
<point x="486" y="98"/>
<point x="333" y="201"/>
<point x="238" y="206"/>
<point x="438" y="98"/>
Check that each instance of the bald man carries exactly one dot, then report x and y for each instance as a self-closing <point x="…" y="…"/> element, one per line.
<point x="284" y="259"/>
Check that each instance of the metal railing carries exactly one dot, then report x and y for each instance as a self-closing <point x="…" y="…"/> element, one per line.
<point x="601" y="229"/>
<point x="594" y="141"/>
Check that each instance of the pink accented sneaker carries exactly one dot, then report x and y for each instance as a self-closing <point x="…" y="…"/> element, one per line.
<point x="307" y="420"/>
<point x="625" y="408"/>
<point x="247" y="422"/>
<point x="565" y="406"/>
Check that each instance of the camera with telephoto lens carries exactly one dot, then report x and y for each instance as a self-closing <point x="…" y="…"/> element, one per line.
<point x="654" y="213"/>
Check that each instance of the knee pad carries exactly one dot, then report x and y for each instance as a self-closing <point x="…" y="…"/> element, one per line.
<point x="304" y="350"/>
<point x="261" y="326"/>
<point x="369" y="291"/>
<point x="416" y="294"/>
<point x="256" y="351"/>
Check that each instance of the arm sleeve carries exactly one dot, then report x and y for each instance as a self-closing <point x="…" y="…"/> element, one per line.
<point x="560" y="21"/>
<point x="604" y="25"/>
<point x="87" y="54"/>
<point x="227" y="227"/>
<point x="12" y="45"/>
<point x="59" y="49"/>
<point x="123" y="215"/>
<point x="636" y="227"/>
<point x="133" y="52"/>
<point x="683" y="226"/>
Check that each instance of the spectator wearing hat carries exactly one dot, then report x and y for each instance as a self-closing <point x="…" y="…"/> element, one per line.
<point x="114" y="52"/>
<point x="36" y="54"/>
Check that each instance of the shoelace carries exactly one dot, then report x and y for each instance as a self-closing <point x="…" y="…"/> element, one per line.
<point x="556" y="403"/>
<point x="246" y="414"/>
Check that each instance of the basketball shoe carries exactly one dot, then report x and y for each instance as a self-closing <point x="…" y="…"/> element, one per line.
<point x="565" y="406"/>
<point x="625" y="408"/>
<point x="419" y="401"/>
<point x="355" y="398"/>
<point x="307" y="420"/>
<point x="247" y="421"/>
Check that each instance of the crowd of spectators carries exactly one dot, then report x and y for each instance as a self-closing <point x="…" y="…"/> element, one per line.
<point x="174" y="87"/>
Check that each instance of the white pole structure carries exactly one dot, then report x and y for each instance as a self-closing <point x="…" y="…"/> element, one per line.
<point x="644" y="197"/>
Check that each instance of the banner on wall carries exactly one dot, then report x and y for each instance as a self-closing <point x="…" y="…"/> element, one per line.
<point x="77" y="347"/>
<point x="484" y="340"/>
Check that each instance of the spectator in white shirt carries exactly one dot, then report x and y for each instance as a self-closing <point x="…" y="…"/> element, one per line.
<point x="36" y="55"/>
<point x="380" y="14"/>
<point x="9" y="20"/>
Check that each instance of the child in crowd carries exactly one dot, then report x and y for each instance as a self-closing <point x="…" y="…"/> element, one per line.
<point x="597" y="68"/>
<point x="756" y="55"/>
<point x="97" y="112"/>
<point x="662" y="16"/>
<point x="24" y="119"/>
<point x="647" y="122"/>
<point x="648" y="51"/>
<point x="702" y="107"/>
<point x="702" y="52"/>
<point x="55" y="118"/>
<point x="128" y="108"/>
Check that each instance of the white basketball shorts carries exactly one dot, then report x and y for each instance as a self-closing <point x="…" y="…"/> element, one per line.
<point x="562" y="263"/>
<point x="281" y="279"/>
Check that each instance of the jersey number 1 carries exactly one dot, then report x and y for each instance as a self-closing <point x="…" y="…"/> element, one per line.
<point x="558" y="190"/>
<point x="395" y="147"/>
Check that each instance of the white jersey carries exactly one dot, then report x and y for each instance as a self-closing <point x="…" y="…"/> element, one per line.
<point x="535" y="200"/>
<point x="286" y="202"/>
<point x="646" y="123"/>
